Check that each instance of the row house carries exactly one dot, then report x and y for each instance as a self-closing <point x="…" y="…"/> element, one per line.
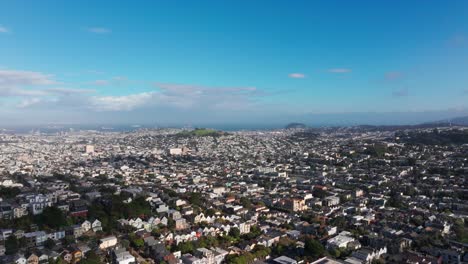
<point x="35" y="239"/>
<point x="149" y="225"/>
<point x="192" y="236"/>
<point x="95" y="226"/>
<point x="37" y="203"/>
<point x="211" y="219"/>
<point x="57" y="235"/>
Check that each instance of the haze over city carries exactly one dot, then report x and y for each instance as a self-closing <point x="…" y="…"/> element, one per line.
<point x="232" y="62"/>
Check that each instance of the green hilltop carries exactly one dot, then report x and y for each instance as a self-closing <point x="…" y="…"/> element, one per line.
<point x="202" y="132"/>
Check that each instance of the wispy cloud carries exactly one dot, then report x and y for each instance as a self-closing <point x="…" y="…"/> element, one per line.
<point x="121" y="103"/>
<point x="68" y="91"/>
<point x="199" y="96"/>
<point x="458" y="40"/>
<point x="339" y="70"/>
<point x="99" y="30"/>
<point x="191" y="89"/>
<point x="39" y="92"/>
<point x="4" y="29"/>
<point x="31" y="86"/>
<point x="122" y="80"/>
<point x="13" y="78"/>
<point x="393" y="75"/>
<point x="297" y="75"/>
<point x="101" y="82"/>
<point x="29" y="102"/>
<point x="117" y="80"/>
<point x="97" y="72"/>
<point x="19" y="92"/>
<point x="400" y="93"/>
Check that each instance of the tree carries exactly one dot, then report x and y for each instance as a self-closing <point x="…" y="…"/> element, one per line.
<point x="236" y="259"/>
<point x="52" y="217"/>
<point x="135" y="241"/>
<point x="335" y="253"/>
<point x="288" y="226"/>
<point x="185" y="247"/>
<point x="313" y="248"/>
<point x="261" y="251"/>
<point x="138" y="243"/>
<point x="255" y="232"/>
<point x="59" y="260"/>
<point x="11" y="245"/>
<point x="171" y="223"/>
<point x="49" y="243"/>
<point x="196" y="199"/>
<point x="7" y="192"/>
<point x="234" y="232"/>
<point x="339" y="222"/>
<point x="125" y="243"/>
<point x="68" y="240"/>
<point x="417" y="220"/>
<point x="278" y="249"/>
<point x="210" y="212"/>
<point x="246" y="203"/>
<point x="91" y="258"/>
<point x="319" y="193"/>
<point x="461" y="232"/>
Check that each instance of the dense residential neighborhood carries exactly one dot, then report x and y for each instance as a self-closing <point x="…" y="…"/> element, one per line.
<point x="330" y="195"/>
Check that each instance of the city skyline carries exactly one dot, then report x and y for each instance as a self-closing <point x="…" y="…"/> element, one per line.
<point x="232" y="62"/>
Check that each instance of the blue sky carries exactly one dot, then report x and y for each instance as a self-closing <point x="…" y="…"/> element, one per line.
<point x="180" y="62"/>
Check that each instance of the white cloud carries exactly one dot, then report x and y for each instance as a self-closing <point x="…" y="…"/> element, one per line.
<point x="14" y="78"/>
<point x="99" y="30"/>
<point x="19" y="92"/>
<point x="117" y="80"/>
<point x="29" y="102"/>
<point x="179" y="96"/>
<point x="101" y="82"/>
<point x="68" y="91"/>
<point x="189" y="89"/>
<point x="40" y="92"/>
<point x="339" y="70"/>
<point x="12" y="83"/>
<point x="15" y="83"/>
<point x="297" y="75"/>
<point x="4" y="29"/>
<point x="121" y="103"/>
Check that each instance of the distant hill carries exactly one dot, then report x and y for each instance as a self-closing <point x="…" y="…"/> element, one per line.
<point x="295" y="125"/>
<point x="462" y="121"/>
<point x="394" y="127"/>
<point x="435" y="137"/>
<point x="201" y="132"/>
<point x="457" y="121"/>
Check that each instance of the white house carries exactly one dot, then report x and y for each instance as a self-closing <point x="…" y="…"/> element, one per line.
<point x="340" y="241"/>
<point x="107" y="242"/>
<point x="121" y="256"/>
<point x="86" y="226"/>
<point x="96" y="226"/>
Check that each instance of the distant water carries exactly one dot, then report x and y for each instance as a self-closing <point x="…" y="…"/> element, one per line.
<point x="53" y="129"/>
<point x="69" y="128"/>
